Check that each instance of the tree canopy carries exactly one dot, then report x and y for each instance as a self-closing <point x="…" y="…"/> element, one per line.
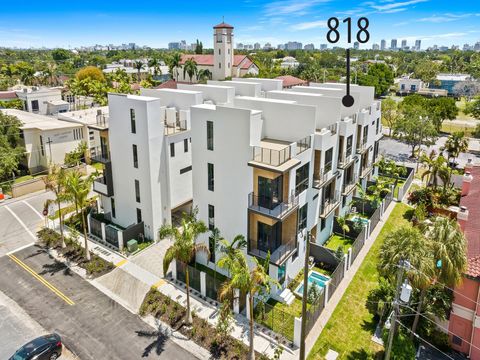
<point x="378" y="75"/>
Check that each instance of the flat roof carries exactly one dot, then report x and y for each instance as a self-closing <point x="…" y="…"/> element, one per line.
<point x="274" y="144"/>
<point x="40" y="122"/>
<point x="57" y="102"/>
<point x="270" y="100"/>
<point x="87" y="116"/>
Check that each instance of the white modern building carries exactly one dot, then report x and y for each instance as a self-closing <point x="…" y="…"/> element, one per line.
<point x="408" y="86"/>
<point x="272" y="167"/>
<point x="44" y="101"/>
<point x="46" y="139"/>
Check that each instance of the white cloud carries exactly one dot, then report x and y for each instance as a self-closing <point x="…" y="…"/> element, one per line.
<point x="394" y="5"/>
<point x="290" y="7"/>
<point x="309" y="25"/>
<point x="446" y="17"/>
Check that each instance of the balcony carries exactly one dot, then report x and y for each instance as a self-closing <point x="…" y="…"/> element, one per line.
<point x="270" y="207"/>
<point x="349" y="185"/>
<point x="344" y="161"/>
<point x="303" y="144"/>
<point x="366" y="170"/>
<point x="329" y="204"/>
<point x="333" y="128"/>
<point x="277" y="255"/>
<point x="270" y="156"/>
<point x="176" y="127"/>
<point x="102" y="186"/>
<point x="321" y="177"/>
<point x="361" y="147"/>
<point x="100" y="155"/>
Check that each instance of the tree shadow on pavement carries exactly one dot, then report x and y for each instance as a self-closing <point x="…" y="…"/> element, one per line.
<point x="159" y="338"/>
<point x="54" y="268"/>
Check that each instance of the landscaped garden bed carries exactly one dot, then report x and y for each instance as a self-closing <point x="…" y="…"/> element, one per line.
<point x="336" y="241"/>
<point x="74" y="252"/>
<point x="201" y="331"/>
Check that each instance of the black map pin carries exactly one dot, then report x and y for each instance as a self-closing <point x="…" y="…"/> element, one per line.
<point x="348" y="99"/>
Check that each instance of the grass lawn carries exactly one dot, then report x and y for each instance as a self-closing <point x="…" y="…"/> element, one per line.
<point x="450" y="128"/>
<point x="279" y="317"/>
<point x="351" y="325"/>
<point x="25" y="178"/>
<point x="337" y="240"/>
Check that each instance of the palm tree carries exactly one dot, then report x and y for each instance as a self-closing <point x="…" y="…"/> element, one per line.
<point x="408" y="243"/>
<point x="435" y="165"/>
<point x="342" y="222"/>
<point x="216" y="237"/>
<point x="55" y="182"/>
<point x="248" y="282"/>
<point x="455" y="144"/>
<point x="175" y="64"/>
<point x="155" y="64"/>
<point x="78" y="188"/>
<point x="363" y="195"/>
<point x="231" y="251"/>
<point x="184" y="247"/>
<point x="190" y="68"/>
<point x="381" y="186"/>
<point x="139" y="65"/>
<point x="204" y="74"/>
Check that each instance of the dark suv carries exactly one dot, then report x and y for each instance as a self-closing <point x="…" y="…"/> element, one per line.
<point x="47" y="347"/>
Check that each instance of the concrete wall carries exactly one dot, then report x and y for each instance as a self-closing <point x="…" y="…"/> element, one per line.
<point x="217" y="94"/>
<point x="242" y="88"/>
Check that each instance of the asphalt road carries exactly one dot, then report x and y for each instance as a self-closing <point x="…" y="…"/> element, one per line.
<point x="94" y="327"/>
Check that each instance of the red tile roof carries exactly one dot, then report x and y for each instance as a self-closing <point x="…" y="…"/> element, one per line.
<point x="472" y="226"/>
<point x="223" y="25"/>
<point x="289" y="81"/>
<point x="170" y="84"/>
<point x="8" y="95"/>
<point x="207" y="60"/>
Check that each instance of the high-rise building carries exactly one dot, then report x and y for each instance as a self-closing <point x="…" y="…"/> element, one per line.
<point x="404" y="44"/>
<point x="418" y="45"/>
<point x="375" y="47"/>
<point x="356" y="45"/>
<point x="257" y="46"/>
<point x="323" y="46"/>
<point x="309" y="47"/>
<point x="281" y="46"/>
<point x="393" y="44"/>
<point x="240" y="46"/>
<point x="267" y="46"/>
<point x="383" y="44"/>
<point x="293" y="45"/>
<point x="476" y="47"/>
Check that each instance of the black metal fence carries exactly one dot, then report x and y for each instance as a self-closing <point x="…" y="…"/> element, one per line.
<point x="96" y="227"/>
<point x="111" y="235"/>
<point x="314" y="312"/>
<point x="336" y="278"/>
<point x="280" y="322"/>
<point x="375" y="219"/>
<point x="358" y="245"/>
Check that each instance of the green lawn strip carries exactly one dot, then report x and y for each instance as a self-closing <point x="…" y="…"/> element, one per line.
<point x="351" y="326"/>
<point x="337" y="240"/>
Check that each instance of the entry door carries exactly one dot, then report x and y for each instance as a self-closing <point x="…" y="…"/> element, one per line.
<point x="269" y="192"/>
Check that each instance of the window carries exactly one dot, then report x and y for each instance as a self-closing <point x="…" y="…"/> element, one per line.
<point x="41" y="146"/>
<point x="172" y="149"/>
<point x="229" y="65"/>
<point x="185" y="169"/>
<point x="220" y="65"/>
<point x="35" y="106"/>
<point x="322" y="224"/>
<point x="328" y="160"/>
<point x="135" y="156"/>
<point x="228" y="51"/>
<point x="139" y="216"/>
<point x="211" y="179"/>
<point x="185" y="145"/>
<point x="302" y="217"/>
<point x="377" y="126"/>
<point x="209" y="135"/>
<point x="349" y="145"/>
<point x="211" y="248"/>
<point x="133" y="125"/>
<point x="456" y="340"/>
<point x="137" y="190"/>
<point x="365" y="134"/>
<point x="112" y="204"/>
<point x="269" y="192"/>
<point x="302" y="178"/>
<point x="211" y="217"/>
<point x="219" y="51"/>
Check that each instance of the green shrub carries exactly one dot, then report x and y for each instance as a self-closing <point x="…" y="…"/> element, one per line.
<point x="49" y="238"/>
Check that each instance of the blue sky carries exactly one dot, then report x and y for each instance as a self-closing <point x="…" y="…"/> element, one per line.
<point x="155" y="23"/>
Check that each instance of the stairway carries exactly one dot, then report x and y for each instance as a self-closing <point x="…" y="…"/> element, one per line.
<point x="287" y="296"/>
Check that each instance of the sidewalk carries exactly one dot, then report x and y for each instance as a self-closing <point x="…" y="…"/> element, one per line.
<point x="263" y="344"/>
<point x="337" y="296"/>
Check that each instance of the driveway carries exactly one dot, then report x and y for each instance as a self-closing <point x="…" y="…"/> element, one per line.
<point x="151" y="259"/>
<point x="91" y="324"/>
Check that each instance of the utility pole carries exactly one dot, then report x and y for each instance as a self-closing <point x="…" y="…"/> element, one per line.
<point x="393" y="323"/>
<point x="49" y="142"/>
<point x="304" y="299"/>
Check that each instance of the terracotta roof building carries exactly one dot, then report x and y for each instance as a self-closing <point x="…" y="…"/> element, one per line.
<point x="289" y="81"/>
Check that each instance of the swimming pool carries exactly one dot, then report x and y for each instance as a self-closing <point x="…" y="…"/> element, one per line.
<point x="360" y="220"/>
<point x="313" y="277"/>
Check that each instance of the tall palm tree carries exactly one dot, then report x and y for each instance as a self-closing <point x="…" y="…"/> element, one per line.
<point x="184" y="248"/>
<point x="455" y="144"/>
<point x="249" y="282"/>
<point x="363" y="195"/>
<point x="435" y="165"/>
<point x="217" y="238"/>
<point x="231" y="251"/>
<point x="155" y="64"/>
<point x="408" y="243"/>
<point x="190" y="68"/>
<point x="78" y="188"/>
<point x="204" y="74"/>
<point x="175" y="64"/>
<point x="342" y="222"/>
<point x="55" y="182"/>
<point x="139" y="65"/>
<point x="381" y="186"/>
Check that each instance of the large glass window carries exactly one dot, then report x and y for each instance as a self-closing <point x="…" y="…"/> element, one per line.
<point x="269" y="192"/>
<point x="328" y="160"/>
<point x="209" y="135"/>
<point x="211" y="217"/>
<point x="172" y="149"/>
<point x="302" y="217"/>
<point x="349" y="145"/>
<point x="268" y="237"/>
<point x="137" y="190"/>
<point x="211" y="248"/>
<point x="302" y="178"/>
<point x="112" y="204"/>
<point x="135" y="156"/>
<point x="211" y="179"/>
<point x="365" y="134"/>
<point x="133" y="124"/>
<point x="139" y="216"/>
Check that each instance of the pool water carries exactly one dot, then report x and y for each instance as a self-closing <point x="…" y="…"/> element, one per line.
<point x="313" y="277"/>
<point x="360" y="219"/>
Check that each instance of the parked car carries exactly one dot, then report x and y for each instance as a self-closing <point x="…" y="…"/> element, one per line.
<point x="47" y="347"/>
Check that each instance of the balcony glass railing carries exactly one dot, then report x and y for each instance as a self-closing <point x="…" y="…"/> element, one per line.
<point x="277" y="255"/>
<point x="320" y="177"/>
<point x="173" y="128"/>
<point x="303" y="144"/>
<point x="270" y="206"/>
<point x="333" y="128"/>
<point x="344" y="160"/>
<point x="100" y="154"/>
<point x="329" y="203"/>
<point x="349" y="184"/>
<point x="270" y="156"/>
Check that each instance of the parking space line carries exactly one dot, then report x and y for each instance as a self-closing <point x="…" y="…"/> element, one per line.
<point x="34" y="210"/>
<point x="41" y="279"/>
<point x="159" y="283"/>
<point x="21" y="223"/>
<point x="20" y="248"/>
<point x="121" y="262"/>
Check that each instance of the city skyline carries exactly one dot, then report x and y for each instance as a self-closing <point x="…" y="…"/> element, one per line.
<point x="274" y="22"/>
